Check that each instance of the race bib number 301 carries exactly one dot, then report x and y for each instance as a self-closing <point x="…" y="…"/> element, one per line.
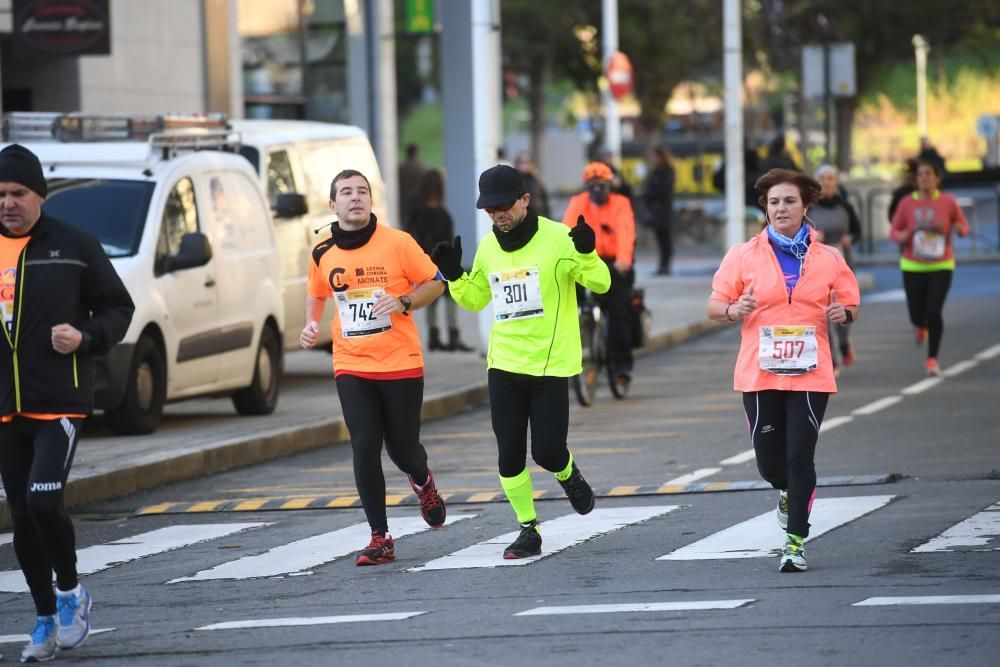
<point x="788" y="350"/>
<point x="356" y="317"/>
<point x="516" y="294"/>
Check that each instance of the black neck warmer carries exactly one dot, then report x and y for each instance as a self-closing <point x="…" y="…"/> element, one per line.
<point x="518" y="237"/>
<point x="351" y="239"/>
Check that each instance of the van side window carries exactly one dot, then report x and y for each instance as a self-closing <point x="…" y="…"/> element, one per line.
<point x="280" y="180"/>
<point x="180" y="217"/>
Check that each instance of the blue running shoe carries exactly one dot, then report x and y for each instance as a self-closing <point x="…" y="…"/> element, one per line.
<point x="74" y="617"/>
<point x="42" y="646"/>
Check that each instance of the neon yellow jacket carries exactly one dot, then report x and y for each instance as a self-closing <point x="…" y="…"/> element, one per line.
<point x="541" y="346"/>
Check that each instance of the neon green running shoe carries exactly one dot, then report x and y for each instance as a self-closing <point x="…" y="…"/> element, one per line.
<point x="793" y="555"/>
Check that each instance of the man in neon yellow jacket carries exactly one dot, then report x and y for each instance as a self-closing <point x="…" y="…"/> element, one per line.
<point x="528" y="269"/>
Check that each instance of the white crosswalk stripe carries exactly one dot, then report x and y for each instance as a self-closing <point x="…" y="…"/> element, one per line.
<point x="929" y="599"/>
<point x="311" y="552"/>
<point x="557" y="535"/>
<point x="631" y="607"/>
<point x="976" y="532"/>
<point x="760" y="536"/>
<point x="6" y="538"/>
<point x="312" y="620"/>
<point x="102" y="556"/>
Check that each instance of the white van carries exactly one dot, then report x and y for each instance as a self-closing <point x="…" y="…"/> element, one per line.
<point x="190" y="234"/>
<point x="296" y="161"/>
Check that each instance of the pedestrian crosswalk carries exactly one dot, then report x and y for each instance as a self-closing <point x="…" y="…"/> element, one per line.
<point x="754" y="537"/>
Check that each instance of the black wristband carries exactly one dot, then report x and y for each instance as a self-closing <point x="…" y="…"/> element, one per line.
<point x="728" y="305"/>
<point x="850" y="316"/>
<point x="407" y="303"/>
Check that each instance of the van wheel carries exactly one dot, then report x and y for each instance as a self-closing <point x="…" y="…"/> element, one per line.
<point x="261" y="397"/>
<point x="145" y="392"/>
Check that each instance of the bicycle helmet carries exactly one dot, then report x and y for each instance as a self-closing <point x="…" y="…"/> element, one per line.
<point x="597" y="171"/>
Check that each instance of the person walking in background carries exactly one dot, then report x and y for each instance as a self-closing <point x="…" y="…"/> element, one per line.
<point x="923" y="227"/>
<point x="658" y="199"/>
<point x="837" y="225"/>
<point x="411" y="173"/>
<point x="63" y="305"/>
<point x="533" y="184"/>
<point x="784" y="368"/>
<point x="528" y="268"/>
<point x="430" y="223"/>
<point x="612" y="219"/>
<point x="370" y="270"/>
<point x="778" y="156"/>
<point x="908" y="184"/>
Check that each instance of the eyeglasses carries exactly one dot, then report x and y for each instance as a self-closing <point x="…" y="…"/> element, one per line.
<point x="490" y="210"/>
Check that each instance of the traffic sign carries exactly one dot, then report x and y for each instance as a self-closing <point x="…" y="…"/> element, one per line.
<point x="619" y="75"/>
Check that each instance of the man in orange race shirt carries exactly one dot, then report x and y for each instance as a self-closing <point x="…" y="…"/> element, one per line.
<point x="370" y="271"/>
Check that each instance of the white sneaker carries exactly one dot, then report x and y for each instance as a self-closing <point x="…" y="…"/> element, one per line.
<point x="42" y="646"/>
<point x="793" y="556"/>
<point x="74" y="617"/>
<point x="783" y="509"/>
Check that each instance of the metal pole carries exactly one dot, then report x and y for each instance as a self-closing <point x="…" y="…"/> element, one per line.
<point x="922" y="48"/>
<point x="827" y="125"/>
<point x="733" y="75"/>
<point x="609" y="40"/>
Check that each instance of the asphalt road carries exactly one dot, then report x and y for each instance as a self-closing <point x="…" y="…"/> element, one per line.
<point x="697" y="569"/>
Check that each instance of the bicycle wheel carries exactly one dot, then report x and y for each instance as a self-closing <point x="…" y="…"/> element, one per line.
<point x="585" y="384"/>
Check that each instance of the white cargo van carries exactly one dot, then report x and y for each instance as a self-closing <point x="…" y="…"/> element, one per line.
<point x="187" y="227"/>
<point x="296" y="161"/>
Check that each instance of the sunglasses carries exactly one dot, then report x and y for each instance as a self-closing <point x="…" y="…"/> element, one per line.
<point x="490" y="210"/>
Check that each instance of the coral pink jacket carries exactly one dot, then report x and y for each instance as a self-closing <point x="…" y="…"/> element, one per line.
<point x="754" y="264"/>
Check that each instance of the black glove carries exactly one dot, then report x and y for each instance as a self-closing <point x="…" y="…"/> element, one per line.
<point x="583" y="237"/>
<point x="448" y="257"/>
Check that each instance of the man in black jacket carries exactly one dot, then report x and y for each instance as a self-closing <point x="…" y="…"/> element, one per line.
<point x="62" y="303"/>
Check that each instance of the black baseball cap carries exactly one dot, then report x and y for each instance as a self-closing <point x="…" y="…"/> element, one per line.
<point x="499" y="185"/>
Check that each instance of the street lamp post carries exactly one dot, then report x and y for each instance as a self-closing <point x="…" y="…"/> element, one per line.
<point x="921" y="47"/>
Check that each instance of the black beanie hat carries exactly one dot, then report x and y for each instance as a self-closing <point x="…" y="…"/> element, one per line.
<point x="19" y="165"/>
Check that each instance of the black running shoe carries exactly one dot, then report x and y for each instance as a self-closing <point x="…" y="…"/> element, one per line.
<point x="528" y="543"/>
<point x="580" y="495"/>
<point x="431" y="504"/>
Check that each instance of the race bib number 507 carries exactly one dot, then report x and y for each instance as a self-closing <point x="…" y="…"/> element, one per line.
<point x="788" y="350"/>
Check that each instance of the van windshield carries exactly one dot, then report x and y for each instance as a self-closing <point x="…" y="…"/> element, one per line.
<point x="112" y="210"/>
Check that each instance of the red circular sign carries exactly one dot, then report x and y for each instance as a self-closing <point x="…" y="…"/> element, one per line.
<point x="619" y="75"/>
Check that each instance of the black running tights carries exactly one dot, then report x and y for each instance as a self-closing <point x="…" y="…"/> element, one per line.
<point x="517" y="401"/>
<point x="377" y="411"/>
<point x="35" y="458"/>
<point x="925" y="295"/>
<point x="784" y="427"/>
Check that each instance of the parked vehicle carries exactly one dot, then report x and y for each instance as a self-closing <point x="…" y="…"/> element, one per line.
<point x="186" y="225"/>
<point x="296" y="161"/>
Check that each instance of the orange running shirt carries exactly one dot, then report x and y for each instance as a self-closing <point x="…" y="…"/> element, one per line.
<point x="392" y="261"/>
<point x="10" y="252"/>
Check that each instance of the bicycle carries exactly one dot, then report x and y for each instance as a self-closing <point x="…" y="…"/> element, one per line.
<point x="594" y="344"/>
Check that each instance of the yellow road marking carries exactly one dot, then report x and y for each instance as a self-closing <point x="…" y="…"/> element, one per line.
<point x="717" y="486"/>
<point x="395" y="500"/>
<point x="343" y="501"/>
<point x="482" y="497"/>
<point x="670" y="488"/>
<point x="157" y="509"/>
<point x="209" y="506"/>
<point x="297" y="503"/>
<point x="250" y="505"/>
<point x="622" y="490"/>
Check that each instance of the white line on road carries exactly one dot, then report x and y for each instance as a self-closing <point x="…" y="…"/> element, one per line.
<point x="693" y="476"/>
<point x="922" y="386"/>
<point x="959" y="368"/>
<point x="557" y="534"/>
<point x="103" y="556"/>
<point x="748" y="455"/>
<point x="888" y="296"/>
<point x="760" y="536"/>
<point x="989" y="353"/>
<point x="976" y="531"/>
<point x="695" y="605"/>
<point x="310" y="552"/>
<point x="314" y="620"/>
<point x="6" y="538"/>
<point x="19" y="639"/>
<point x="875" y="406"/>
<point x="834" y="422"/>
<point x="929" y="599"/>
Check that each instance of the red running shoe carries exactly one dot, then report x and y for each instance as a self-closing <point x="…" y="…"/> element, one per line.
<point x="847" y="356"/>
<point x="431" y="505"/>
<point x="932" y="367"/>
<point x="921" y="335"/>
<point x="379" y="550"/>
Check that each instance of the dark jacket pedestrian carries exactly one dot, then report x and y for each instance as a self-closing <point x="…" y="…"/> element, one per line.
<point x="658" y="202"/>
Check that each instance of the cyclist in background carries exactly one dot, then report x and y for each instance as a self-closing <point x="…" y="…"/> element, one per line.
<point x="613" y="221"/>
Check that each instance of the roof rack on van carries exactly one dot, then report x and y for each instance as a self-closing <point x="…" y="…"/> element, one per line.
<point x="168" y="132"/>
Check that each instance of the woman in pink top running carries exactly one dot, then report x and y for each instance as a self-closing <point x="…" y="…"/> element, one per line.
<point x="784" y="285"/>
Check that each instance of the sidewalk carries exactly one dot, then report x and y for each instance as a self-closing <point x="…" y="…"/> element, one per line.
<point x="202" y="437"/>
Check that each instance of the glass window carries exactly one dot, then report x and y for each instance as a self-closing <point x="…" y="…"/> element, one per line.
<point x="280" y="180"/>
<point x="112" y="210"/>
<point x="180" y="217"/>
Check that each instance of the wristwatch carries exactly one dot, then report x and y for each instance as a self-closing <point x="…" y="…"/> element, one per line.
<point x="407" y="303"/>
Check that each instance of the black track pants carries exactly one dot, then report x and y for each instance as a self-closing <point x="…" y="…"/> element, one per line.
<point x="518" y="401"/>
<point x="35" y="458"/>
<point x="925" y="295"/>
<point x="377" y="411"/>
<point x="784" y="427"/>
